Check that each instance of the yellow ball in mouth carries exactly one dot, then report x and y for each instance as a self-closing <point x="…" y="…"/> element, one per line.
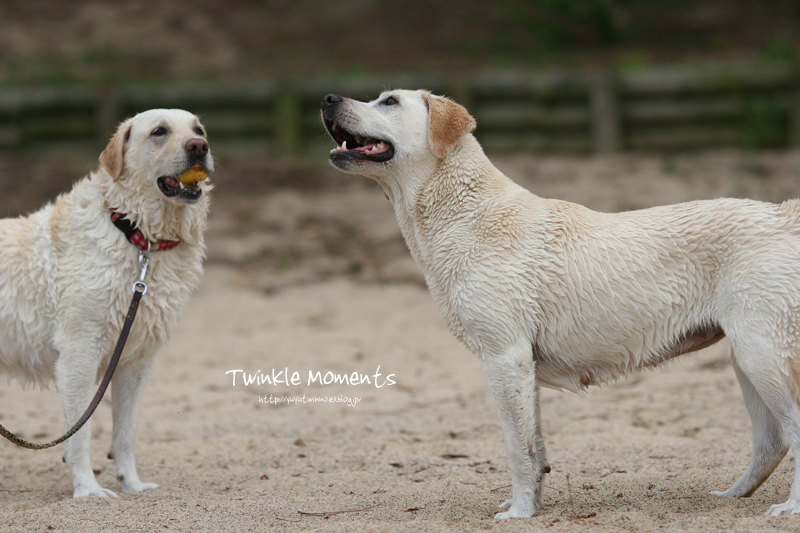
<point x="193" y="175"/>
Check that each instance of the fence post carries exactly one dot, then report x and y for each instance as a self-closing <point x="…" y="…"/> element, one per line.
<point x="289" y="126"/>
<point x="606" y="127"/>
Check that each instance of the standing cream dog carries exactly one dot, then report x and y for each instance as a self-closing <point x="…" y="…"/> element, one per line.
<point x="67" y="270"/>
<point x="552" y="293"/>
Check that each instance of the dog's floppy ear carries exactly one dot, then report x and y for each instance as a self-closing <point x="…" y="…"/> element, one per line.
<point x="113" y="157"/>
<point x="448" y="122"/>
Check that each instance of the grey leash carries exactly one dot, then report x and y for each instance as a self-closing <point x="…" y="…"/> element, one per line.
<point x="139" y="289"/>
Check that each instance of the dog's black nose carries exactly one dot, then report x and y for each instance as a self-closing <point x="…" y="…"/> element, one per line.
<point x="198" y="147"/>
<point x="330" y="100"/>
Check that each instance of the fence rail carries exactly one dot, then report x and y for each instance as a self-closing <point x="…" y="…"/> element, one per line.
<point x="603" y="111"/>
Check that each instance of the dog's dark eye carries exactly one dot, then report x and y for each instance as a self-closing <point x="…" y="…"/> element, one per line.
<point x="159" y="131"/>
<point x="199" y="131"/>
<point x="391" y="101"/>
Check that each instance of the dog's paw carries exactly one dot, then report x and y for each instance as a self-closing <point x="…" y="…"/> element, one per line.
<point x="95" y="490"/>
<point x="782" y="509"/>
<point x="514" y="513"/>
<point x="537" y="504"/>
<point x="138" y="487"/>
<point x="726" y="493"/>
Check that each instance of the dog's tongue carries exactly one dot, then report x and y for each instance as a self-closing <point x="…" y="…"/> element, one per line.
<point x="373" y="148"/>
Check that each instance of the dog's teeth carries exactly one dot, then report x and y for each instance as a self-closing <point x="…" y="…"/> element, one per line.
<point x="359" y="139"/>
<point x="381" y="145"/>
<point x="181" y="184"/>
<point x="335" y="126"/>
<point x="344" y="145"/>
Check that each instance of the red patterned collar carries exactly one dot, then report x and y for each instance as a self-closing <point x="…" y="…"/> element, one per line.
<point x="135" y="235"/>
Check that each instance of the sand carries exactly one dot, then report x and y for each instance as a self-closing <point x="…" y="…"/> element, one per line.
<point x="319" y="281"/>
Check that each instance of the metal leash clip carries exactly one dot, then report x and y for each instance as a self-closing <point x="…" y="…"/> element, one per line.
<point x="144" y="260"/>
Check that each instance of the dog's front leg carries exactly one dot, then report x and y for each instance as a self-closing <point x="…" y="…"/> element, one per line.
<point x="75" y="375"/>
<point x="127" y="387"/>
<point x="512" y="381"/>
<point x="538" y="454"/>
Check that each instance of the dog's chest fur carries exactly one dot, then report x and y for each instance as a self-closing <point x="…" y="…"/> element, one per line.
<point x="467" y="230"/>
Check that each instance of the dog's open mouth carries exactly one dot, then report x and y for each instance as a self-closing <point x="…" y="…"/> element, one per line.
<point x="355" y="146"/>
<point x="173" y="187"/>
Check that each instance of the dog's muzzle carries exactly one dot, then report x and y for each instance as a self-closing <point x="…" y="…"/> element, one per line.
<point x="185" y="187"/>
<point x="351" y="146"/>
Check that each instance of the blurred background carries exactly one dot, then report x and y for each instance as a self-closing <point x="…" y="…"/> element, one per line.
<point x="617" y="104"/>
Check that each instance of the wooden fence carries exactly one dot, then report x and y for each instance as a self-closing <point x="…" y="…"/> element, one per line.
<point x="603" y="111"/>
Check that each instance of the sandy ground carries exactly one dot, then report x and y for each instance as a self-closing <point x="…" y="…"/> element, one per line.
<point x="319" y="281"/>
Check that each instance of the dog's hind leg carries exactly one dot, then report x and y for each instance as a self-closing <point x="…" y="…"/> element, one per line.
<point x="128" y="384"/>
<point x="790" y="422"/>
<point x="512" y="381"/>
<point x="769" y="369"/>
<point x="769" y="445"/>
